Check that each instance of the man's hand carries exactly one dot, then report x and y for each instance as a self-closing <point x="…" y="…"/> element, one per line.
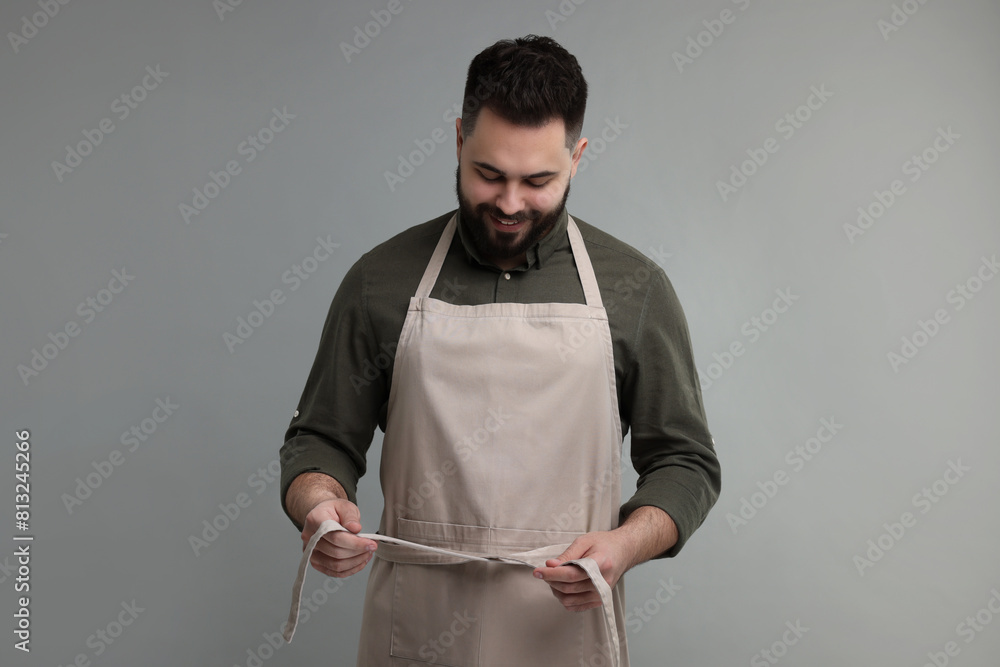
<point x="571" y="585"/>
<point x="646" y="533"/>
<point x="312" y="498"/>
<point x="338" y="554"/>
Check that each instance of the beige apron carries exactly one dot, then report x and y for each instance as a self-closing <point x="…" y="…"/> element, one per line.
<point x="502" y="445"/>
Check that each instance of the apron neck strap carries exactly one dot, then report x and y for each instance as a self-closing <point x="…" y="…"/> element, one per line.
<point x="437" y="259"/>
<point x="588" y="280"/>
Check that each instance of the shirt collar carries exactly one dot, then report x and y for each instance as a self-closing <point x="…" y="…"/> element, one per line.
<point x="536" y="255"/>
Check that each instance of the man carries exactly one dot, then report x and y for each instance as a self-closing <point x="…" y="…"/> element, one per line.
<point x="504" y="351"/>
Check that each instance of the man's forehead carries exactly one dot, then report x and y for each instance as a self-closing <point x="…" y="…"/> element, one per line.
<point x="504" y="147"/>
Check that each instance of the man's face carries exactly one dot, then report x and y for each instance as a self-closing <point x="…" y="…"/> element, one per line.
<point x="512" y="184"/>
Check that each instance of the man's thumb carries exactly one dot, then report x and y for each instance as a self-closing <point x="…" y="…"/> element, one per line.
<point x="573" y="551"/>
<point x="350" y="518"/>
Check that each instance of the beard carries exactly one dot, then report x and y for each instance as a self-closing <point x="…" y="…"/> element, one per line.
<point x="492" y="244"/>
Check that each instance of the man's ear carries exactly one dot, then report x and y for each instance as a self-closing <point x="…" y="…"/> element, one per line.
<point x="458" y="138"/>
<point x="581" y="145"/>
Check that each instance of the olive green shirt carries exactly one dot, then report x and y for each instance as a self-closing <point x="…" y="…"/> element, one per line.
<point x="659" y="397"/>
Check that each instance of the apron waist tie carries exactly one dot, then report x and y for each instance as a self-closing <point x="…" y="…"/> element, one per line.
<point x="533" y="559"/>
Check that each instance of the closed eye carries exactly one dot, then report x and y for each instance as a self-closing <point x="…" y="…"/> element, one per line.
<point x="497" y="179"/>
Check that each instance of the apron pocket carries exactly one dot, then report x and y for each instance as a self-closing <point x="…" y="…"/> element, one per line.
<point x="437" y="612"/>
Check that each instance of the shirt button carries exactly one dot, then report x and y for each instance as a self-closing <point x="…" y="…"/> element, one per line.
<point x="507" y="276"/>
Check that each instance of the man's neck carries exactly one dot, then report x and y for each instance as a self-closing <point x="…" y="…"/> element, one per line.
<point x="511" y="263"/>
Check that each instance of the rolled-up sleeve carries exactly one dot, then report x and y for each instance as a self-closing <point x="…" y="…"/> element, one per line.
<point x="338" y="412"/>
<point x="672" y="449"/>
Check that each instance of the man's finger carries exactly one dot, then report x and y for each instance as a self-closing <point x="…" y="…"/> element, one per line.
<point x="578" y="601"/>
<point x="342" y="540"/>
<point x="563" y="573"/>
<point x="339" y="567"/>
<point x="573" y="588"/>
<point x="330" y="550"/>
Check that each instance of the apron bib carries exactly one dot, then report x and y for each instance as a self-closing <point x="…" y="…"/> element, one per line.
<point x="502" y="445"/>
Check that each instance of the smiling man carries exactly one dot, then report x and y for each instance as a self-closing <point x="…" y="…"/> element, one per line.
<point x="504" y="349"/>
<point x="516" y="205"/>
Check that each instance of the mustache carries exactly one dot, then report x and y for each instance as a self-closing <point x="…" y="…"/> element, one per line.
<point x="520" y="216"/>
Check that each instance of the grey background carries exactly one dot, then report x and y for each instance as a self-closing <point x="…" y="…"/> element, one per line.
<point x="654" y="186"/>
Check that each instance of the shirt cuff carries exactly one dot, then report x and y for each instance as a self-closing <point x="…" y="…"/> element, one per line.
<point x="308" y="453"/>
<point x="687" y="510"/>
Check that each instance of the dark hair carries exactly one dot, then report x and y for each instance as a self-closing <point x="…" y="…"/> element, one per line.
<point x="526" y="81"/>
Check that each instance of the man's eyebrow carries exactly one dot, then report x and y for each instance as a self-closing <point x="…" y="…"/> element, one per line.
<point x="489" y="167"/>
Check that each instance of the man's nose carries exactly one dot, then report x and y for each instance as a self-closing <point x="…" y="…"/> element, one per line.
<point x="510" y="200"/>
